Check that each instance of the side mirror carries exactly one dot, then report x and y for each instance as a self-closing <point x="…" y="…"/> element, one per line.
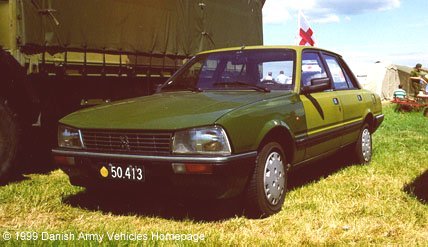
<point x="317" y="85"/>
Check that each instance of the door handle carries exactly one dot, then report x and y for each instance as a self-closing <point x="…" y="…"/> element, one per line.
<point x="359" y="97"/>
<point x="335" y="101"/>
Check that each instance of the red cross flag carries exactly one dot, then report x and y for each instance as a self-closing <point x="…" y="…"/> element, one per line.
<point x="305" y="33"/>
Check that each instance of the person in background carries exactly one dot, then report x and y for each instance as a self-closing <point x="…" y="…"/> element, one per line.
<point x="417" y="78"/>
<point x="281" y="78"/>
<point x="268" y="77"/>
<point x="426" y="86"/>
<point x="400" y="93"/>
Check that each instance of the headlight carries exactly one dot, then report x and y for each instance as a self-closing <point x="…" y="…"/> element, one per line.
<point x="206" y="140"/>
<point x="69" y="137"/>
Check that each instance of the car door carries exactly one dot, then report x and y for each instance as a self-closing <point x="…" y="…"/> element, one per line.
<point x="350" y="97"/>
<point x="323" y="111"/>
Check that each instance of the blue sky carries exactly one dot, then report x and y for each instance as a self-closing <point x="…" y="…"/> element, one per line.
<point x="365" y="31"/>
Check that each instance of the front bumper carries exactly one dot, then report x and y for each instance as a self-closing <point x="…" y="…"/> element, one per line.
<point x="228" y="178"/>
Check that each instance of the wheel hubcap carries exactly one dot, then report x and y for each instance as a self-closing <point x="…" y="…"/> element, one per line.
<point x="366" y="146"/>
<point x="274" y="178"/>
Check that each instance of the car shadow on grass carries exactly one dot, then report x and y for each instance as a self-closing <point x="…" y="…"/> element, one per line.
<point x="155" y="205"/>
<point x="317" y="170"/>
<point x="419" y="188"/>
<point x="149" y="204"/>
<point x="16" y="178"/>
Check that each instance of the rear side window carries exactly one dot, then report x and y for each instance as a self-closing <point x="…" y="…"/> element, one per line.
<point x="339" y="76"/>
<point x="312" y="68"/>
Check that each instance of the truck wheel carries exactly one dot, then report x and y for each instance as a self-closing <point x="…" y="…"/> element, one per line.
<point x="266" y="190"/>
<point x="9" y="138"/>
<point x="363" y="147"/>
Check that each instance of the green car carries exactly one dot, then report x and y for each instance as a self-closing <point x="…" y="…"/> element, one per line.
<point x="230" y="122"/>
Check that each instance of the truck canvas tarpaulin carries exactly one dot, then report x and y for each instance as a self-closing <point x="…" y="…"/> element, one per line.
<point x="59" y="56"/>
<point x="167" y="27"/>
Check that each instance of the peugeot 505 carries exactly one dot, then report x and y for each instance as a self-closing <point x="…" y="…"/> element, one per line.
<point x="230" y="122"/>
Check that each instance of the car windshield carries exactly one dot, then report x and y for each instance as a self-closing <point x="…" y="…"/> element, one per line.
<point x="261" y="70"/>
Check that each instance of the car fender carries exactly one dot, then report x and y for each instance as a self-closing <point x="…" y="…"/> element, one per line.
<point x="368" y="117"/>
<point x="248" y="126"/>
<point x="279" y="131"/>
<point x="268" y="127"/>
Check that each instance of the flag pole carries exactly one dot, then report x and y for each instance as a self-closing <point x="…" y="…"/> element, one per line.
<point x="297" y="39"/>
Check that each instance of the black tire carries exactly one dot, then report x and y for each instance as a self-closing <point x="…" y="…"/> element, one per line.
<point x="363" y="148"/>
<point x="9" y="142"/>
<point x="260" y="200"/>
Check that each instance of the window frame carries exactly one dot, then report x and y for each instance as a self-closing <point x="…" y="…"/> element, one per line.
<point x="345" y="70"/>
<point x="323" y="63"/>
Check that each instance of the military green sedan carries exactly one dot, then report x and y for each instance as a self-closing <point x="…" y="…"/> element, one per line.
<point x="230" y="122"/>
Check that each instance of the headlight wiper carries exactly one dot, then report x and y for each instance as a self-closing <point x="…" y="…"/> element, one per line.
<point x="241" y="83"/>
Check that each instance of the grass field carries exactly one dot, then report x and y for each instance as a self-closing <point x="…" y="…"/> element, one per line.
<point x="330" y="202"/>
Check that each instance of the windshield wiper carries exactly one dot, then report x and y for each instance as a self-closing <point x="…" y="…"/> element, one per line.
<point x="172" y="88"/>
<point x="194" y="89"/>
<point x="241" y="83"/>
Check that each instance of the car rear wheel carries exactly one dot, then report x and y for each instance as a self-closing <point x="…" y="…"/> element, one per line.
<point x="363" y="147"/>
<point x="9" y="139"/>
<point x="266" y="190"/>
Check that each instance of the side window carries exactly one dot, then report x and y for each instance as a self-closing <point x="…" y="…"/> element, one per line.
<point x="312" y="68"/>
<point x="340" y="77"/>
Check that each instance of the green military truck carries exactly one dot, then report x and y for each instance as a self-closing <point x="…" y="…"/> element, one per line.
<point x="57" y="56"/>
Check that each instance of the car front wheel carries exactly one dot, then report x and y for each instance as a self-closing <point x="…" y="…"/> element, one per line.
<point x="266" y="190"/>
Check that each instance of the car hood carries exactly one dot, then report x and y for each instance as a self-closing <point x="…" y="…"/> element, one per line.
<point x="164" y="111"/>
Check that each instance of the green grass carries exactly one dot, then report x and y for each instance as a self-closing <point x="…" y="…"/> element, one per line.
<point x="330" y="203"/>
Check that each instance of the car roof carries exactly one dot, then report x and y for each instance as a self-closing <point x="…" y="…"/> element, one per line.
<point x="261" y="47"/>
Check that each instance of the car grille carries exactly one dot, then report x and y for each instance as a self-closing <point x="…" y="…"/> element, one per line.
<point x="127" y="142"/>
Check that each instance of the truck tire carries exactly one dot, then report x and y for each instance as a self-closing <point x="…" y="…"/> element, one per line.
<point x="266" y="190"/>
<point x="9" y="142"/>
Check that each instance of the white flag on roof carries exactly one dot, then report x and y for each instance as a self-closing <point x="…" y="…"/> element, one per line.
<point x="305" y="32"/>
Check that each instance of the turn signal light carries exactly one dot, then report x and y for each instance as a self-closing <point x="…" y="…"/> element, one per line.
<point x="192" y="168"/>
<point x="64" y="160"/>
